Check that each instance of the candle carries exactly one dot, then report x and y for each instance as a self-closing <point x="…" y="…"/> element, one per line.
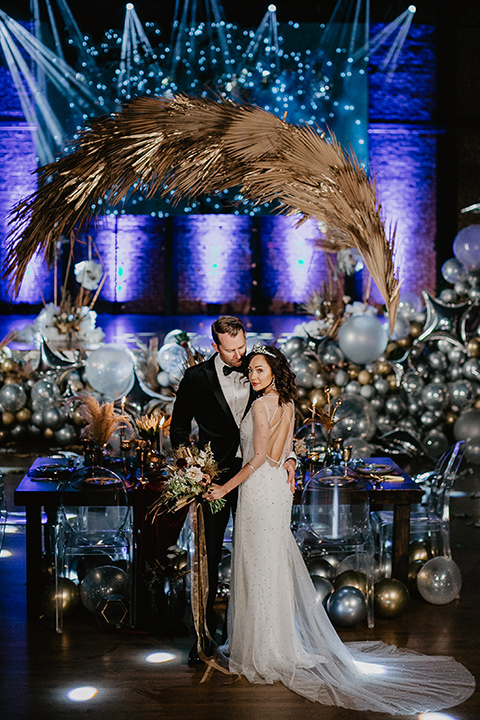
<point x="160" y="432"/>
<point x="314" y="404"/>
<point x="122" y="427"/>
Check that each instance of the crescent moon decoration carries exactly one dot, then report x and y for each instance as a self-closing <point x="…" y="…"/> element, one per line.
<point x="184" y="147"/>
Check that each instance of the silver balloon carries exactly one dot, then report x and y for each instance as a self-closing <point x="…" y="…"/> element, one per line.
<point x="53" y="418"/>
<point x="356" y="418"/>
<point x="100" y="584"/>
<point x="401" y="329"/>
<point x="428" y="419"/>
<point x="462" y="393"/>
<point x="456" y="355"/>
<point x="319" y="566"/>
<point x="44" y="393"/>
<point x="395" y="406"/>
<point x="305" y="370"/>
<point x="13" y="397"/>
<point x="385" y="423"/>
<point x="67" y="435"/>
<point x="382" y="386"/>
<point x="323" y="588"/>
<point x="225" y="570"/>
<point x="331" y="354"/>
<point x="341" y="378"/>
<point x="472" y="451"/>
<point x="109" y="370"/>
<point x="294" y="346"/>
<point x="362" y="339"/>
<point x="172" y="358"/>
<point x="448" y="296"/>
<point x="471" y="369"/>
<point x="461" y="288"/>
<point x="346" y="606"/>
<point x="437" y="361"/>
<point x="353" y="388"/>
<point x="376" y="402"/>
<point x="435" y="443"/>
<point x="455" y="372"/>
<point x="415" y="406"/>
<point x="368" y="392"/>
<point x="467" y="425"/>
<point x="439" y="581"/>
<point x="435" y="395"/>
<point x="444" y="346"/>
<point x="410" y="304"/>
<point x="37" y="419"/>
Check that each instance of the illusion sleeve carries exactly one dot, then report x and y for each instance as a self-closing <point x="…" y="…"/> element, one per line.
<point x="260" y="434"/>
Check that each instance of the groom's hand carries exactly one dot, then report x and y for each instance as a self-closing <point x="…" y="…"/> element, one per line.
<point x="289" y="466"/>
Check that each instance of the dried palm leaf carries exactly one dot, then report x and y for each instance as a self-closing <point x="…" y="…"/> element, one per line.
<point x="101" y="418"/>
<point x="185" y="147"/>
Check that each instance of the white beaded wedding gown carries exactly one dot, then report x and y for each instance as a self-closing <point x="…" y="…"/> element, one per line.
<point x="277" y="629"/>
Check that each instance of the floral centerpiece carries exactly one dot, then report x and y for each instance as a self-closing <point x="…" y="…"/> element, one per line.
<point x="188" y="479"/>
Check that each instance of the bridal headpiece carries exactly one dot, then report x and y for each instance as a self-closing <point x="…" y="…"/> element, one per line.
<point x="259" y="349"/>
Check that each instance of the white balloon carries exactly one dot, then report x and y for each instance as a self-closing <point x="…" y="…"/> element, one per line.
<point x="362" y="339"/>
<point x="109" y="370"/>
<point x="466" y="246"/>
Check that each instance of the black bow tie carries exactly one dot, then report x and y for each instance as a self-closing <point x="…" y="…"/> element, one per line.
<point x="227" y="370"/>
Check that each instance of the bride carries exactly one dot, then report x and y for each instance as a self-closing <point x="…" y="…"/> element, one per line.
<point x="277" y="630"/>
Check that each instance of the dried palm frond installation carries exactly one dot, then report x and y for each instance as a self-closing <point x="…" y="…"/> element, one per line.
<point x="101" y="418"/>
<point x="190" y="146"/>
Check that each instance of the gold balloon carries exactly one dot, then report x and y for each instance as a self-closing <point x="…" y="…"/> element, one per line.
<point x="405" y="342"/>
<point x="419" y="550"/>
<point x="391" y="598"/>
<point x="476" y="404"/>
<point x="335" y="391"/>
<point x="48" y="433"/>
<point x="78" y="419"/>
<point x="352" y="578"/>
<point x="317" y="397"/>
<point x="415" y="329"/>
<point x="382" y="367"/>
<point x="473" y="347"/>
<point x="365" y="377"/>
<point x="8" y="365"/>
<point x="392" y="381"/>
<point x="8" y="418"/>
<point x="23" y="415"/>
<point x="4" y="435"/>
<point x="450" y="417"/>
<point x="391" y="347"/>
<point x="68" y="592"/>
<point x="352" y="371"/>
<point x="413" y="569"/>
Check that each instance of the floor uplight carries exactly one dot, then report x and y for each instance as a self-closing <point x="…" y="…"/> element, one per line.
<point x="435" y="716"/>
<point x="160" y="657"/>
<point x="81" y="694"/>
<point x="5" y="553"/>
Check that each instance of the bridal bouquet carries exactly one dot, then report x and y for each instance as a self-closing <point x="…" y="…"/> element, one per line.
<point x="187" y="479"/>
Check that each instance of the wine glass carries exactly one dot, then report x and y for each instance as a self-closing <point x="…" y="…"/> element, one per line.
<point x="346" y="455"/>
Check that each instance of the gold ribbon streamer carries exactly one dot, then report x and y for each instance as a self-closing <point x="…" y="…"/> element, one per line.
<point x="199" y="590"/>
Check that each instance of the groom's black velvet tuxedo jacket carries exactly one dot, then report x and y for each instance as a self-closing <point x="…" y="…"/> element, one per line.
<point x="200" y="397"/>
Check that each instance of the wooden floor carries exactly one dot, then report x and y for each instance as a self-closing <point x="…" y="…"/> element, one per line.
<point x="38" y="667"/>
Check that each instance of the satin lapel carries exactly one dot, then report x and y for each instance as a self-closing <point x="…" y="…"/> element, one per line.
<point x="213" y="381"/>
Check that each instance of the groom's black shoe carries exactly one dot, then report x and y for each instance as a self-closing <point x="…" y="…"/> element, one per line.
<point x="194" y="659"/>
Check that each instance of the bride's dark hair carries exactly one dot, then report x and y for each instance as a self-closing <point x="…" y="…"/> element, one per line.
<point x="282" y="372"/>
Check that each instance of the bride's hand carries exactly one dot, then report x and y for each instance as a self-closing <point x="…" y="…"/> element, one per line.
<point x="215" y="492"/>
<point x="289" y="466"/>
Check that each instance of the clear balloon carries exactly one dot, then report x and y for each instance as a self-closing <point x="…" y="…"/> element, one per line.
<point x="402" y="328"/>
<point x="453" y="270"/>
<point x="356" y="418"/>
<point x="13" y="397"/>
<point x="109" y="370"/>
<point x="466" y="246"/>
<point x="44" y="393"/>
<point x="362" y="339"/>
<point x="410" y="304"/>
<point x="100" y="584"/>
<point x="294" y="346"/>
<point x="305" y="370"/>
<point x="439" y="581"/>
<point x="172" y="359"/>
<point x="202" y="345"/>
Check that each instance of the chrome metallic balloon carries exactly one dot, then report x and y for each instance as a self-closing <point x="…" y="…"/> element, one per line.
<point x="346" y="606"/>
<point x="435" y="395"/>
<point x="467" y="427"/>
<point x="323" y="588"/>
<point x="462" y="393"/>
<point x="362" y="338"/>
<point x="353" y="388"/>
<point x="437" y="360"/>
<point x="435" y="443"/>
<point x="45" y="392"/>
<point x="101" y="583"/>
<point x="66" y="435"/>
<point x="319" y="566"/>
<point x="395" y="406"/>
<point x="471" y="369"/>
<point x="352" y="578"/>
<point x="13" y="397"/>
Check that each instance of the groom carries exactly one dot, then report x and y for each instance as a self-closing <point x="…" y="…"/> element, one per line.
<point x="215" y="394"/>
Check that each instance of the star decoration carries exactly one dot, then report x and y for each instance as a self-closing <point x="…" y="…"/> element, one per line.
<point x="443" y="320"/>
<point x="470" y="322"/>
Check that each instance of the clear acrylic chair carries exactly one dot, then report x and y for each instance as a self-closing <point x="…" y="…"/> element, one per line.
<point x="3" y="511"/>
<point x="335" y="528"/>
<point x="89" y="537"/>
<point x="430" y="522"/>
